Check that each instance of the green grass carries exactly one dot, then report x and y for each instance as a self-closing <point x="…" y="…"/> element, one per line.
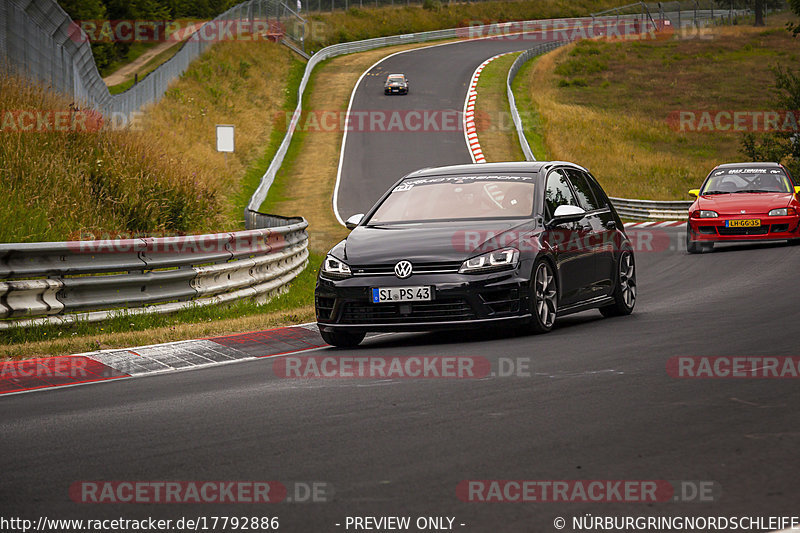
<point x="531" y="120"/>
<point x="60" y="184"/>
<point x="496" y="132"/>
<point x="134" y="52"/>
<point x="256" y="170"/>
<point x="147" y="68"/>
<point x="278" y="192"/>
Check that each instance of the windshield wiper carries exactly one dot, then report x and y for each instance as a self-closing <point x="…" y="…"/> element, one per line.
<point x="715" y="192"/>
<point x="754" y="190"/>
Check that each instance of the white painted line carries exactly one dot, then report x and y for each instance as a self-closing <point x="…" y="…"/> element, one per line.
<point x="353" y="94"/>
<point x="470" y="133"/>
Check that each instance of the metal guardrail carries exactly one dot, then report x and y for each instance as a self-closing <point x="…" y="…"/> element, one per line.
<point x="651" y="209"/>
<point x="521" y="59"/>
<point x="96" y="280"/>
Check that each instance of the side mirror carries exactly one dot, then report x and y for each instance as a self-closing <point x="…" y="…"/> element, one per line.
<point x="567" y="213"/>
<point x="797" y="189"/>
<point x="354" y="221"/>
<point x="694" y="192"/>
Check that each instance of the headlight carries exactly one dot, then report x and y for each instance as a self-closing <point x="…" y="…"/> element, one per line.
<point x="782" y="212"/>
<point x="499" y="260"/>
<point x="335" y="269"/>
<point x="706" y="214"/>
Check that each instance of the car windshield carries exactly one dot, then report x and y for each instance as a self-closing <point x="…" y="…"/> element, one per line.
<point x="745" y="180"/>
<point x="457" y="198"/>
<point x="396" y="79"/>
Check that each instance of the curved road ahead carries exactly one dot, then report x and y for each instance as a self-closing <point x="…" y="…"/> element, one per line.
<point x="595" y="403"/>
<point x="377" y="155"/>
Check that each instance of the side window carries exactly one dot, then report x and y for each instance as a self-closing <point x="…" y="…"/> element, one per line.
<point x="558" y="192"/>
<point x="599" y="193"/>
<point x="582" y="190"/>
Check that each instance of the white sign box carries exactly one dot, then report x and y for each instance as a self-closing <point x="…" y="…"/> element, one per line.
<point x="224" y="138"/>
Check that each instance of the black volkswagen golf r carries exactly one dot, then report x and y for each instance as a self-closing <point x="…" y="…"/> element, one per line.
<point x="470" y="245"/>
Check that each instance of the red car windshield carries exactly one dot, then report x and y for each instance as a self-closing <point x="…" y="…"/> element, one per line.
<point x="747" y="180"/>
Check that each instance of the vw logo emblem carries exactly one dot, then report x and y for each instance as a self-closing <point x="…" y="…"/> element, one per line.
<point x="402" y="269"/>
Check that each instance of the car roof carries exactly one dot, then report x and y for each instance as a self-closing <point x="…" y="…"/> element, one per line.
<point x="530" y="167"/>
<point x="397" y="76"/>
<point x="746" y="165"/>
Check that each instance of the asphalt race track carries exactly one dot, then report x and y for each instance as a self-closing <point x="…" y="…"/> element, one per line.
<point x="598" y="404"/>
<point x="375" y="157"/>
<point x="595" y="403"/>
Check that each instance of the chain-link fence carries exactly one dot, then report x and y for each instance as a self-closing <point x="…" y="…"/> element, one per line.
<point x="344" y="5"/>
<point x="38" y="38"/>
<point x="694" y="12"/>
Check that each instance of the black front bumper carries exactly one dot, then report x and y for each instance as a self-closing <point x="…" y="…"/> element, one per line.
<point x="458" y="301"/>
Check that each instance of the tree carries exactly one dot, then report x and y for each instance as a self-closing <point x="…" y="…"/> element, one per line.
<point x="759" y="9"/>
<point x="794" y="5"/>
<point x="782" y="146"/>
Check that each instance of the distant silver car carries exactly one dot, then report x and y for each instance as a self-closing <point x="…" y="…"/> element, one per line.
<point x="396" y="84"/>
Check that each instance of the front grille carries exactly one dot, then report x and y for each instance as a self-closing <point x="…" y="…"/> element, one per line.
<point x="324" y="307"/>
<point x="444" y="310"/>
<point x="760" y="230"/>
<point x="418" y="268"/>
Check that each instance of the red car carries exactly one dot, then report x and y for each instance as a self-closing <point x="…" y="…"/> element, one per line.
<point x="744" y="202"/>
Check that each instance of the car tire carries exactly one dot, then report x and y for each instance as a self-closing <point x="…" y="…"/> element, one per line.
<point x="342" y="339"/>
<point x="543" y="297"/>
<point x="625" y="288"/>
<point x="694" y="247"/>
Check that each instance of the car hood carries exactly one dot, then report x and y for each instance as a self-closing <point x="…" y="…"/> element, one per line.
<point x="752" y="203"/>
<point x="430" y="242"/>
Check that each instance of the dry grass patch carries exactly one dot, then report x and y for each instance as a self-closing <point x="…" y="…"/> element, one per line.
<point x="165" y="178"/>
<point x="606" y="105"/>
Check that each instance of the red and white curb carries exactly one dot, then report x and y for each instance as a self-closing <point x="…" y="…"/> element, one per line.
<point x="104" y="365"/>
<point x="470" y="132"/>
<point x="656" y="224"/>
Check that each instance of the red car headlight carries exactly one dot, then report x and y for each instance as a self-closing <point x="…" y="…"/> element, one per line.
<point x="782" y="212"/>
<point x="704" y="213"/>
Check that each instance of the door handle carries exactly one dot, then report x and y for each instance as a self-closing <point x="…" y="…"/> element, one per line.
<point x="611" y="225"/>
